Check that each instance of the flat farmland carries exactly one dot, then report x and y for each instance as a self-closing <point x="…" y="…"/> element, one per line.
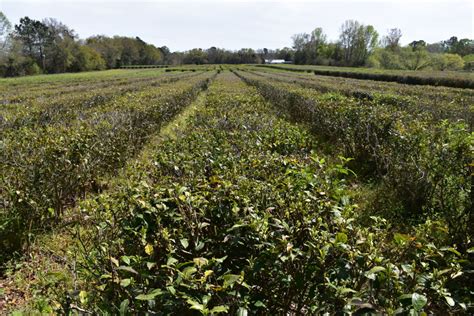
<point x="206" y="190"/>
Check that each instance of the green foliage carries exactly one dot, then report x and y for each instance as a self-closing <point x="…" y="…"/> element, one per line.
<point x="237" y="210"/>
<point x="423" y="162"/>
<point x="447" y="62"/>
<point x="46" y="166"/>
<point x="414" y="60"/>
<point x="239" y="215"/>
<point x="469" y="62"/>
<point x="89" y="59"/>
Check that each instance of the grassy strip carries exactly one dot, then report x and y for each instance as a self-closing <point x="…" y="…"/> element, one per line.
<point x="400" y="78"/>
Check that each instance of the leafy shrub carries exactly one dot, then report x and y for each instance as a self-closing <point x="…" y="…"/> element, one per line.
<point x="239" y="215"/>
<point x="46" y="168"/>
<point x="425" y="163"/>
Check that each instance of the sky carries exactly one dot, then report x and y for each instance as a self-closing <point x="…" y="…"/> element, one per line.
<point x="185" y="24"/>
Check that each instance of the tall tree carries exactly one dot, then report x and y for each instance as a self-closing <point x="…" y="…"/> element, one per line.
<point x="392" y="39"/>
<point x="461" y="47"/>
<point x="62" y="49"/>
<point x="357" y="41"/>
<point x="316" y="45"/>
<point x="35" y="36"/>
<point x="5" y="29"/>
<point x="300" y="43"/>
<point x="418" y="45"/>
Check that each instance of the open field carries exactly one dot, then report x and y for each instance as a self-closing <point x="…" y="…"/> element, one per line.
<point x="242" y="190"/>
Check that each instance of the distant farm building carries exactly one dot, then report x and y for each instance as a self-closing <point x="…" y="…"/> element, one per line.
<point x="276" y="61"/>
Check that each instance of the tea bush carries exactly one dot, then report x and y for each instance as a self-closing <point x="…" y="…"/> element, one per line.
<point x="240" y="215"/>
<point x="46" y="168"/>
<point x="424" y="163"/>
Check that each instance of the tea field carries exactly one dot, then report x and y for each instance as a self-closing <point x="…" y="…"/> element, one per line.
<point x="235" y="190"/>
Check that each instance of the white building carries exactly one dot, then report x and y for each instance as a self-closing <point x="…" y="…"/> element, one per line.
<point x="276" y="61"/>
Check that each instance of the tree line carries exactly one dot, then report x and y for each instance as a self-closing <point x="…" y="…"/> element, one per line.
<point x="49" y="46"/>
<point x="360" y="45"/>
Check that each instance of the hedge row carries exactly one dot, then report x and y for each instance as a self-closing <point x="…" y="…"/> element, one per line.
<point x="66" y="106"/>
<point x="240" y="215"/>
<point x="440" y="103"/>
<point x="425" y="166"/>
<point x="46" y="168"/>
<point x="405" y="79"/>
<point x="143" y="66"/>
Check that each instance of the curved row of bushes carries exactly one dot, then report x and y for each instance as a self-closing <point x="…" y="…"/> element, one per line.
<point x="406" y="79"/>
<point x="239" y="215"/>
<point x="26" y="91"/>
<point x="441" y="103"/>
<point x="45" y="168"/>
<point x="425" y="165"/>
<point x="67" y="106"/>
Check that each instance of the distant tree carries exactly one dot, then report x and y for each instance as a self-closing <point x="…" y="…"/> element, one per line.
<point x="62" y="48"/>
<point x="450" y="43"/>
<point x="388" y="59"/>
<point x="196" y="56"/>
<point x="461" y="47"/>
<point x="392" y="39"/>
<point x="316" y="46"/>
<point x="300" y="44"/>
<point x="285" y="53"/>
<point x="129" y="50"/>
<point x="418" y="45"/>
<point x="213" y="55"/>
<point x="5" y="29"/>
<point x="415" y="57"/>
<point x="469" y="62"/>
<point x="35" y="36"/>
<point x="357" y="42"/>
<point x="175" y="58"/>
<point x="300" y="40"/>
<point x="107" y="48"/>
<point x="88" y="59"/>
<point x="447" y="62"/>
<point x="248" y="56"/>
<point x="436" y="48"/>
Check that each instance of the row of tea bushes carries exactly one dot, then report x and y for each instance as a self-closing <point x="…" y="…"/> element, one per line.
<point x="46" y="168"/>
<point x="70" y="106"/>
<point x="425" y="166"/>
<point x="461" y="81"/>
<point x="66" y="81"/>
<point x="439" y="102"/>
<point x="239" y="215"/>
<point x="21" y="93"/>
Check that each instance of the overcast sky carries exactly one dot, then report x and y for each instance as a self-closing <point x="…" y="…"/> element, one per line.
<point x="182" y="25"/>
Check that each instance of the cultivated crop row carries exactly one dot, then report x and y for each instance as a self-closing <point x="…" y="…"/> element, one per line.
<point x="64" y="107"/>
<point x="440" y="102"/>
<point x="425" y="166"/>
<point x="240" y="214"/>
<point x="45" y="167"/>
<point x="453" y="79"/>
